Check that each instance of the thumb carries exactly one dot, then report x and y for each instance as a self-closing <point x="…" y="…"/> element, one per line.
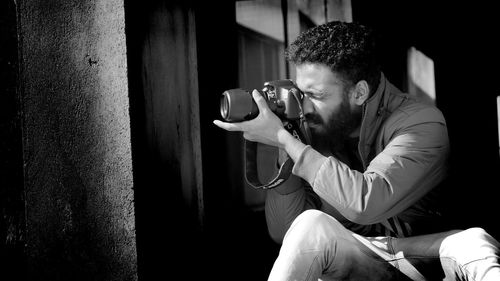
<point x="259" y="100"/>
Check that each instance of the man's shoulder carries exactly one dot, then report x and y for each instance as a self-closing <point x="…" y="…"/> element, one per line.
<point x="422" y="124"/>
<point x="407" y="111"/>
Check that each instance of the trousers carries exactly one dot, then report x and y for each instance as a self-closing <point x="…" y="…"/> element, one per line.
<point x="318" y="247"/>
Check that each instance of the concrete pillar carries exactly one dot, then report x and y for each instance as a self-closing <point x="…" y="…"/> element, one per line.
<point x="76" y="140"/>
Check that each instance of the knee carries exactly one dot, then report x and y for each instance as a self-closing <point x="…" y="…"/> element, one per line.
<point x="478" y="238"/>
<point x="313" y="225"/>
<point x="469" y="245"/>
<point x="314" y="220"/>
<point x="476" y="234"/>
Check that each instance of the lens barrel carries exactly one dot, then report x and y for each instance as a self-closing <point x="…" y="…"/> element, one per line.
<point x="237" y="105"/>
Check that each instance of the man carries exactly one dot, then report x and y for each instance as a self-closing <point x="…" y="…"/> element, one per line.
<point x="370" y="178"/>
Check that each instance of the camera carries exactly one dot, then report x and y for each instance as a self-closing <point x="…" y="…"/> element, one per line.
<point x="282" y="96"/>
<point x="285" y="100"/>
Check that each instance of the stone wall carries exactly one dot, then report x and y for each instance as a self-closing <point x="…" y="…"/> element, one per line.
<point x="76" y="140"/>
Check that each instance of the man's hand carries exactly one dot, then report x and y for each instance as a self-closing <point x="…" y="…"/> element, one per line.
<point x="265" y="128"/>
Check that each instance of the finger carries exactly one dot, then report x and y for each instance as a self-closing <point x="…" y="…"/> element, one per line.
<point x="228" y="126"/>
<point x="259" y="100"/>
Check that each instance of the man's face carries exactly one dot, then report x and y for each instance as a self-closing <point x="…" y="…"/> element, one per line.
<point x="328" y="106"/>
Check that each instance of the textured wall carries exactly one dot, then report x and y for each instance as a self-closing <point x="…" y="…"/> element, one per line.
<point x="78" y="167"/>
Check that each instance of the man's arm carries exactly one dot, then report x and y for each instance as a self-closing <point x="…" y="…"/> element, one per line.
<point x="409" y="166"/>
<point x="291" y="198"/>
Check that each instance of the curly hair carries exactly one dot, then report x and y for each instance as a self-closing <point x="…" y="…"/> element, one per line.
<point x="348" y="49"/>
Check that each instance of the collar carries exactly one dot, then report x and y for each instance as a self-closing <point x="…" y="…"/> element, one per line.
<point x="374" y="113"/>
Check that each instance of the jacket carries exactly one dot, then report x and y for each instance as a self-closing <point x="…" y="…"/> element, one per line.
<point x="403" y="145"/>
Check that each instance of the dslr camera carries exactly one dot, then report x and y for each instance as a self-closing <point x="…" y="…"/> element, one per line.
<point x="282" y="96"/>
<point x="285" y="100"/>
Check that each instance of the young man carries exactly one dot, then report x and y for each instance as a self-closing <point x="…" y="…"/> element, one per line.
<point x="363" y="201"/>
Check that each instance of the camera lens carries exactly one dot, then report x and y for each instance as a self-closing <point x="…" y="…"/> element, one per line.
<point x="237" y="105"/>
<point x="224" y="106"/>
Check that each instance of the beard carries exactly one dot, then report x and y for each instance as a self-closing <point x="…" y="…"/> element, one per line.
<point x="331" y="136"/>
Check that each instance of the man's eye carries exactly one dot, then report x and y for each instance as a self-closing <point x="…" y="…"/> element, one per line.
<point x="317" y="95"/>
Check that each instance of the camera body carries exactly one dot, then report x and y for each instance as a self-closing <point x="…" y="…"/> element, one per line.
<point x="282" y="96"/>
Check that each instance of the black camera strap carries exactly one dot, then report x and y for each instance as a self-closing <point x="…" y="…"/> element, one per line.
<point x="251" y="168"/>
<point x="297" y="128"/>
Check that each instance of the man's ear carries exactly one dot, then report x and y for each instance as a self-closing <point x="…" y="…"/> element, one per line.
<point x="361" y="92"/>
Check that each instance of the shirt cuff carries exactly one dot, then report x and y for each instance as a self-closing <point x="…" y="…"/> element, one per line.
<point x="308" y="164"/>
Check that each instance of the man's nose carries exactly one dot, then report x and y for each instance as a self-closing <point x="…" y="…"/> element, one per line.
<point x="307" y="105"/>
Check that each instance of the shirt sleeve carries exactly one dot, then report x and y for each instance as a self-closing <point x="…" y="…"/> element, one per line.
<point x="410" y="165"/>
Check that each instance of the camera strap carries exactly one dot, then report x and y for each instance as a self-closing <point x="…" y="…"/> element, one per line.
<point x="251" y="168"/>
<point x="297" y="128"/>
